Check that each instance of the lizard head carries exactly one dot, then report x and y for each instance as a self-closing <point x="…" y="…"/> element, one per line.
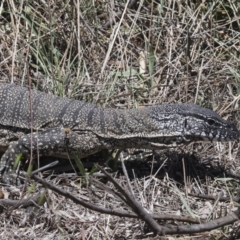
<point x="190" y="123"/>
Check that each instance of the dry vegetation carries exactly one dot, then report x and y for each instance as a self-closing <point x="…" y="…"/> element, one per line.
<point x="130" y="56"/>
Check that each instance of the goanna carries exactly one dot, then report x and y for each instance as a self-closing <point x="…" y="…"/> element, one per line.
<point x="61" y="125"/>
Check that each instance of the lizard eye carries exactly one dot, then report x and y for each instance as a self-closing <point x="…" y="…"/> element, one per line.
<point x="212" y="122"/>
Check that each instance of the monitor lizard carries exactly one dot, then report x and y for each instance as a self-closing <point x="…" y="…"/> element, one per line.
<point x="63" y="125"/>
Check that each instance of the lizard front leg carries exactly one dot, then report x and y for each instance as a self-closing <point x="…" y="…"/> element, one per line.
<point x="49" y="140"/>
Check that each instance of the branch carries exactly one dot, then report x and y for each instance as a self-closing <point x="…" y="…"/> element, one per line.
<point x="119" y="14"/>
<point x="143" y="214"/>
<point x="21" y="203"/>
<point x="137" y="208"/>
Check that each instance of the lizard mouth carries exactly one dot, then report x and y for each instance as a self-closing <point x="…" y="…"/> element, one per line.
<point x="176" y="141"/>
<point x="230" y="136"/>
<point x="169" y="142"/>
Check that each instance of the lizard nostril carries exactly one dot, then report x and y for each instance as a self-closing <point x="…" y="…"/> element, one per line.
<point x="185" y="123"/>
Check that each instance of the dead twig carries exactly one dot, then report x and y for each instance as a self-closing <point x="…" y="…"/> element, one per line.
<point x="137" y="208"/>
<point x="119" y="14"/>
<point x="142" y="213"/>
<point x="23" y="203"/>
<point x="210" y="197"/>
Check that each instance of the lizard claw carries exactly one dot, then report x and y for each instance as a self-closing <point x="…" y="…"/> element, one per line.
<point x="12" y="179"/>
<point x="2" y="170"/>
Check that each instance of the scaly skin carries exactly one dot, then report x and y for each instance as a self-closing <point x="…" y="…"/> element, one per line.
<point x="63" y="125"/>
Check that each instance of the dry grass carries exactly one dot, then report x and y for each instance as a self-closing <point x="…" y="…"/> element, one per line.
<point x="150" y="54"/>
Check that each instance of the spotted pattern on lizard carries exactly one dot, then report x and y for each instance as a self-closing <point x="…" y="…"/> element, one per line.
<point x="63" y="125"/>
